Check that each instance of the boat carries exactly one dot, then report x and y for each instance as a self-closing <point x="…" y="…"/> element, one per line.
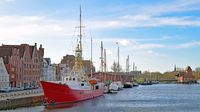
<point x="128" y="85"/>
<point x="113" y="87"/>
<point x="76" y="86"/>
<point x="198" y="81"/>
<point x="147" y="83"/>
<point x="120" y="85"/>
<point x="135" y="84"/>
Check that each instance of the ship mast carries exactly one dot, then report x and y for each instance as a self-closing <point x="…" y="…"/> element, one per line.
<point x="80" y="41"/>
<point x="78" y="51"/>
<point x="91" y="69"/>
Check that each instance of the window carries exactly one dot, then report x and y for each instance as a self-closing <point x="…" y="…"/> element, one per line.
<point x="96" y="87"/>
<point x="12" y="69"/>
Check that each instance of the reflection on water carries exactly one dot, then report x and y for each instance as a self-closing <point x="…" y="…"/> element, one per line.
<point x="153" y="98"/>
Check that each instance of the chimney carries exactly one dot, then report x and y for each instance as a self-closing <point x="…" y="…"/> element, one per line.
<point x="40" y="45"/>
<point x="36" y="45"/>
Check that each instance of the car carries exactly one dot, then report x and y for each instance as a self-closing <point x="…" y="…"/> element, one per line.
<point x="5" y="90"/>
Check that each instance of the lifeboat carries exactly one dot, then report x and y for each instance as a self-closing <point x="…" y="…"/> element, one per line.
<point x="92" y="82"/>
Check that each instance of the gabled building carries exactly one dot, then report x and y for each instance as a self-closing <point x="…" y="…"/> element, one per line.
<point x="186" y="76"/>
<point x="23" y="64"/>
<point x="4" y="76"/>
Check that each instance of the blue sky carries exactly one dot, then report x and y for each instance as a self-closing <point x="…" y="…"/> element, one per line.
<point x="157" y="34"/>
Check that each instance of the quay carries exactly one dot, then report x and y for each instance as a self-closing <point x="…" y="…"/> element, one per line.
<point x="18" y="99"/>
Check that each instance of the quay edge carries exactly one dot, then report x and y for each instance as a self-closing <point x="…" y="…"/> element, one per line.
<point x="21" y="102"/>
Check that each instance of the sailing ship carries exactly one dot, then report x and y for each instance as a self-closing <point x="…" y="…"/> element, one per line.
<point x="76" y="86"/>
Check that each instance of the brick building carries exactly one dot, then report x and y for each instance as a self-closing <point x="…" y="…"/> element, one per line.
<point x="69" y="60"/>
<point x="23" y="63"/>
<point x="186" y="76"/>
<point x="103" y="77"/>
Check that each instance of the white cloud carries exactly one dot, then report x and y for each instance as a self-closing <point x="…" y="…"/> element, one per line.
<point x="126" y="42"/>
<point x="148" y="46"/>
<point x="151" y="15"/>
<point x="138" y="21"/>
<point x="33" y="26"/>
<point x="157" y="54"/>
<point x="9" y="0"/>
<point x="188" y="45"/>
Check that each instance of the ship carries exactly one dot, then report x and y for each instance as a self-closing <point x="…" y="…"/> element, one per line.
<point x="75" y="86"/>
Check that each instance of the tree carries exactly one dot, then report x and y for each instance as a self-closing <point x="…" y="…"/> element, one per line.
<point x="115" y="67"/>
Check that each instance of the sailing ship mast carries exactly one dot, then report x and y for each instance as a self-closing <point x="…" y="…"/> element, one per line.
<point x="78" y="51"/>
<point x="101" y="57"/>
<point x="127" y="64"/>
<point x="105" y="65"/>
<point x="91" y="66"/>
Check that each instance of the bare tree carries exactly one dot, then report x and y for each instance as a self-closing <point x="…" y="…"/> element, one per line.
<point x="115" y="67"/>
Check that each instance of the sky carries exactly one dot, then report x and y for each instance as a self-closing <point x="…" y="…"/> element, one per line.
<point x="156" y="34"/>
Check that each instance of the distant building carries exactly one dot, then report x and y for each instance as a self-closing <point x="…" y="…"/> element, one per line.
<point x="197" y="69"/>
<point x="4" y="76"/>
<point x="49" y="71"/>
<point x="177" y="69"/>
<point x="23" y="63"/>
<point x="112" y="76"/>
<point x="69" y="60"/>
<point x="64" y="71"/>
<point x="186" y="76"/>
<point x="58" y="72"/>
<point x="136" y="73"/>
<point x="87" y="66"/>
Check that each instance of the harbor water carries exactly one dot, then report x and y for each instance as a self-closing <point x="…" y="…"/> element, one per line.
<point x="151" y="98"/>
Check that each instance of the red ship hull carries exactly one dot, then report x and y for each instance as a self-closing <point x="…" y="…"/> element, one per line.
<point x="58" y="93"/>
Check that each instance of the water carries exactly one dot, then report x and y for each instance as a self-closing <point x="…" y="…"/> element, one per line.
<point x="153" y="98"/>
